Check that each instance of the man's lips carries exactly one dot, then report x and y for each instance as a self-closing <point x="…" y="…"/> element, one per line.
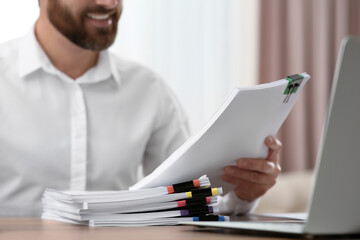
<point x="99" y="16"/>
<point x="101" y="19"/>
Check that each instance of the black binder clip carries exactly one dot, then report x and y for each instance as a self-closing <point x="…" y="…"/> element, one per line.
<point x="293" y="85"/>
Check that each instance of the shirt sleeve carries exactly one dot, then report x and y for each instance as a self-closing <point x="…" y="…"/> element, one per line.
<point x="170" y="132"/>
<point x="230" y="204"/>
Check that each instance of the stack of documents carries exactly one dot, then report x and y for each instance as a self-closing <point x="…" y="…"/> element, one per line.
<point x="237" y="130"/>
<point x="188" y="201"/>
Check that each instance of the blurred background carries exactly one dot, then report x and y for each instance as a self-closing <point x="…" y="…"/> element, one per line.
<point x="205" y="48"/>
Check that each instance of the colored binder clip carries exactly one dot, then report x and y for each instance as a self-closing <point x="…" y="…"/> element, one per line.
<point x="293" y="85"/>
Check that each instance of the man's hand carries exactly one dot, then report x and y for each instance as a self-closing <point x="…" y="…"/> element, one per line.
<point x="254" y="177"/>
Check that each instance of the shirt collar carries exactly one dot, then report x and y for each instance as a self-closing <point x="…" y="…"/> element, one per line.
<point x="104" y="69"/>
<point x="32" y="57"/>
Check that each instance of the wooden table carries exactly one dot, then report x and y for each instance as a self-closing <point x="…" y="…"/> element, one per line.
<point x="31" y="228"/>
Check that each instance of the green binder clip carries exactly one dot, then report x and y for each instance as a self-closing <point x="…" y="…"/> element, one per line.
<point x="293" y="85"/>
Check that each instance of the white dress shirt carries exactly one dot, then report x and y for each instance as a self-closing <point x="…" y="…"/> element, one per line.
<point x="92" y="133"/>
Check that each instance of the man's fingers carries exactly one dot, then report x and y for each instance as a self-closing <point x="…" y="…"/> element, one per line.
<point x="246" y="190"/>
<point x="258" y="165"/>
<point x="275" y="147"/>
<point x="253" y="177"/>
<point x="238" y="175"/>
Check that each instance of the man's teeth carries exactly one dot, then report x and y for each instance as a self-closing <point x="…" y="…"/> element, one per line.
<point x="98" y="16"/>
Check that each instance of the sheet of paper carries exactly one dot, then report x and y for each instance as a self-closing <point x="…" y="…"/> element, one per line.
<point x="237" y="130"/>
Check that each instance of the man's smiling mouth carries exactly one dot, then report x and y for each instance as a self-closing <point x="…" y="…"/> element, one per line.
<point x="99" y="16"/>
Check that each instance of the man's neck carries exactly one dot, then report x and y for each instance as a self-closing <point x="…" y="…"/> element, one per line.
<point x="70" y="59"/>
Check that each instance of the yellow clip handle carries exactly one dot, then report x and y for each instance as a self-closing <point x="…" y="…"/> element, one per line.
<point x="188" y="194"/>
<point x="214" y="191"/>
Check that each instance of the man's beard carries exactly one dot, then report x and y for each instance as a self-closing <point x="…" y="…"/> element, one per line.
<point x="74" y="29"/>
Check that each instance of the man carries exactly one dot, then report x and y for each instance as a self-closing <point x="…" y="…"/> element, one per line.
<point x="73" y="116"/>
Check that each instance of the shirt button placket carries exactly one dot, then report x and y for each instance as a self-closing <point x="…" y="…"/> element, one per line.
<point x="78" y="139"/>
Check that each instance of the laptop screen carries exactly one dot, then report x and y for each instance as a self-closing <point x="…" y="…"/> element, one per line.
<point x="336" y="195"/>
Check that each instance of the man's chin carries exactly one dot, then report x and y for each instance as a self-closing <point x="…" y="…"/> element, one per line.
<point x="96" y="44"/>
<point x="99" y="39"/>
<point x="93" y="39"/>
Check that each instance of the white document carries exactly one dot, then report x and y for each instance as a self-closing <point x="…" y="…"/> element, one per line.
<point x="92" y="197"/>
<point x="150" y="222"/>
<point x="237" y="130"/>
<point x="51" y="201"/>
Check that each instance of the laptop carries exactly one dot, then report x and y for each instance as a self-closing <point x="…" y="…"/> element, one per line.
<point x="334" y="208"/>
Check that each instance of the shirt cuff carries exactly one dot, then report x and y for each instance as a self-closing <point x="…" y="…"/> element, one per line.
<point x="230" y="204"/>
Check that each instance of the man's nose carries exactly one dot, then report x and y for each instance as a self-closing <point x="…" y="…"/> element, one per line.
<point x="109" y="4"/>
